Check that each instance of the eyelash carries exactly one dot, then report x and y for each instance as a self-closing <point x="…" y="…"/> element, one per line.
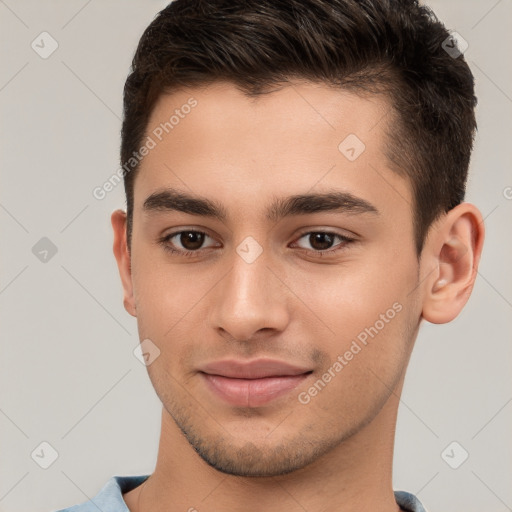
<point x="345" y="241"/>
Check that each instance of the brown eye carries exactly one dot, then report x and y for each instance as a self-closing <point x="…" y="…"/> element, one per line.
<point x="191" y="240"/>
<point x="321" y="241"/>
<point x="186" y="242"/>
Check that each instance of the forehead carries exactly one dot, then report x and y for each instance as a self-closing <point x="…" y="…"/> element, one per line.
<point x="216" y="141"/>
<point x="299" y="114"/>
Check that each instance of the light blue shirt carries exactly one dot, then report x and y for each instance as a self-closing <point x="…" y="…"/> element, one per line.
<point x="110" y="497"/>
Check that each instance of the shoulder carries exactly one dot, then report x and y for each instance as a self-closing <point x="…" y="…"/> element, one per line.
<point x="110" y="497"/>
<point x="408" y="502"/>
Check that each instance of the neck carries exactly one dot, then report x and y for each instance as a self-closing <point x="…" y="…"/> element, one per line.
<point x="353" y="476"/>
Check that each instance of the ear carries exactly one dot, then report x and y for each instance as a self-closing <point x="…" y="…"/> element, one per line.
<point x="450" y="261"/>
<point x="122" y="255"/>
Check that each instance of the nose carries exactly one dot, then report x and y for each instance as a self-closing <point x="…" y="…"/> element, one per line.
<point x="249" y="299"/>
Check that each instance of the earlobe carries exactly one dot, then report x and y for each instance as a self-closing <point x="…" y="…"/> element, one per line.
<point x="453" y="253"/>
<point x="122" y="255"/>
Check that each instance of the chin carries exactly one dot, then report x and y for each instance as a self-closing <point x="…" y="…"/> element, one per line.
<point x="251" y="461"/>
<point x="269" y="458"/>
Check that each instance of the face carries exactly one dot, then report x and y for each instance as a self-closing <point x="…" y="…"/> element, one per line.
<point x="273" y="266"/>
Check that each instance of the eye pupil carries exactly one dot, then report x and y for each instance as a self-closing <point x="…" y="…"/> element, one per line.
<point x="192" y="240"/>
<point x="325" y="240"/>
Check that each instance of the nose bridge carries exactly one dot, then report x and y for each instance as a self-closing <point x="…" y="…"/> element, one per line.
<point x="250" y="297"/>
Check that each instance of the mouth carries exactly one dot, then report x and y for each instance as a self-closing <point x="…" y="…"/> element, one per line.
<point x="254" y="383"/>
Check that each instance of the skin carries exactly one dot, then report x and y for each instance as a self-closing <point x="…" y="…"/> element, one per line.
<point x="335" y="452"/>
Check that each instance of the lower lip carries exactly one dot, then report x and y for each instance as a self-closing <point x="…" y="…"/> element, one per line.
<point x="252" y="392"/>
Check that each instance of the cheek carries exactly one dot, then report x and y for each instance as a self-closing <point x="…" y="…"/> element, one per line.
<point x="164" y="295"/>
<point x="360" y="304"/>
<point x="353" y="295"/>
<point x="366" y="333"/>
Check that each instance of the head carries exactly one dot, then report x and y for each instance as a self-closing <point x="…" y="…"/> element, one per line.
<point x="388" y="48"/>
<point x="268" y="97"/>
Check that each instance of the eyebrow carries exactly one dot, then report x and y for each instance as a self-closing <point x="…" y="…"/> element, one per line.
<point x="300" y="204"/>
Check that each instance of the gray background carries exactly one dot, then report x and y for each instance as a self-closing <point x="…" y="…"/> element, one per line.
<point x="68" y="375"/>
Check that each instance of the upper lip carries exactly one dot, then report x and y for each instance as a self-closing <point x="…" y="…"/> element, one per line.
<point x="256" y="369"/>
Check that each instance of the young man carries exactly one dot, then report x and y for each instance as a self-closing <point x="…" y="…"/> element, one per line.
<point x="295" y="175"/>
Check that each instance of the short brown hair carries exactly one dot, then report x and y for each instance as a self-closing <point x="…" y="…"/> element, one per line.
<point x="394" y="47"/>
